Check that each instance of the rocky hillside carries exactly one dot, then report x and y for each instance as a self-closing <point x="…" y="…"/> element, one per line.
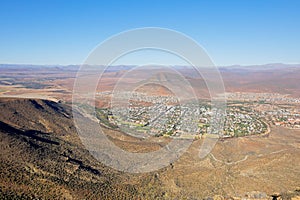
<point x="42" y="158"/>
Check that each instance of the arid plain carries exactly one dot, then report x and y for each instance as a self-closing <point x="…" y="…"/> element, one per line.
<point x="258" y="166"/>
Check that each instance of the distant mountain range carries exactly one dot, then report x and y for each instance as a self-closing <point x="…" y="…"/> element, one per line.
<point x="127" y="67"/>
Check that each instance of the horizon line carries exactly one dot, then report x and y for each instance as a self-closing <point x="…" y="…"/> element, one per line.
<point x="133" y="65"/>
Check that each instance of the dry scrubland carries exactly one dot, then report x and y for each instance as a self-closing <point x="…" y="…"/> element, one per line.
<point x="42" y="157"/>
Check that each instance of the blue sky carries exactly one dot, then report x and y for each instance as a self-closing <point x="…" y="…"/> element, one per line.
<point x="232" y="31"/>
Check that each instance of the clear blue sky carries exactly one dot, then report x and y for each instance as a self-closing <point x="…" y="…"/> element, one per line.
<point x="232" y="32"/>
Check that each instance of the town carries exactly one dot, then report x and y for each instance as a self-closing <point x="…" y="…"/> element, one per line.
<point x="165" y="116"/>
